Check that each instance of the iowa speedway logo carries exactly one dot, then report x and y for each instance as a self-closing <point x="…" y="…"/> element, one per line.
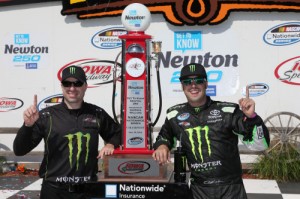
<point x="179" y="13"/>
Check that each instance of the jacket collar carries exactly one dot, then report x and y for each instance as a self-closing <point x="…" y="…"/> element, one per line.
<point x="197" y="110"/>
<point x="73" y="110"/>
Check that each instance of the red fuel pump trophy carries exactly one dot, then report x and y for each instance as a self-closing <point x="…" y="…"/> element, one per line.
<point x="133" y="161"/>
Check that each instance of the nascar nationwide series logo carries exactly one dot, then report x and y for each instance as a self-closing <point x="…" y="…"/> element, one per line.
<point x="283" y="34"/>
<point x="179" y="13"/>
<point x="135" y="141"/>
<point x="50" y="101"/>
<point x="79" y="139"/>
<point x="256" y="89"/>
<point x="108" y="38"/>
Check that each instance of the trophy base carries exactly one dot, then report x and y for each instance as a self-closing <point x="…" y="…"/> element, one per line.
<point x="134" y="167"/>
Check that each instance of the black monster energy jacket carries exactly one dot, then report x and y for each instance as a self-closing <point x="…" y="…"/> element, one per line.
<point x="71" y="140"/>
<point x="209" y="137"/>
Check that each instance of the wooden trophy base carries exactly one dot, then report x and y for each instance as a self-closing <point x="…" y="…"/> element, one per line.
<point x="134" y="167"/>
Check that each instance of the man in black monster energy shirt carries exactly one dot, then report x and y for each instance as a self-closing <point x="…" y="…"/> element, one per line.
<point x="71" y="135"/>
<point x="209" y="132"/>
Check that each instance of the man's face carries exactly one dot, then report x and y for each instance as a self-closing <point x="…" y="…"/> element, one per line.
<point x="194" y="89"/>
<point x="73" y="91"/>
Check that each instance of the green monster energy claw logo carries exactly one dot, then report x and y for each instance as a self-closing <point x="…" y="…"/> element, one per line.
<point x="72" y="70"/>
<point x="197" y="110"/>
<point x="183" y="161"/>
<point x="201" y="133"/>
<point x="192" y="68"/>
<point x="79" y="138"/>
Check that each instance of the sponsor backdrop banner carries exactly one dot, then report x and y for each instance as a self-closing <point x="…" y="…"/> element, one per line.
<point x="256" y="49"/>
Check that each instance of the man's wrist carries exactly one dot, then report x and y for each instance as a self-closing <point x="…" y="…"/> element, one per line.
<point x="253" y="115"/>
<point x="27" y="125"/>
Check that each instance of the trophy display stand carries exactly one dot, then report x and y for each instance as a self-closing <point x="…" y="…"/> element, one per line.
<point x="133" y="160"/>
<point x="131" y="172"/>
